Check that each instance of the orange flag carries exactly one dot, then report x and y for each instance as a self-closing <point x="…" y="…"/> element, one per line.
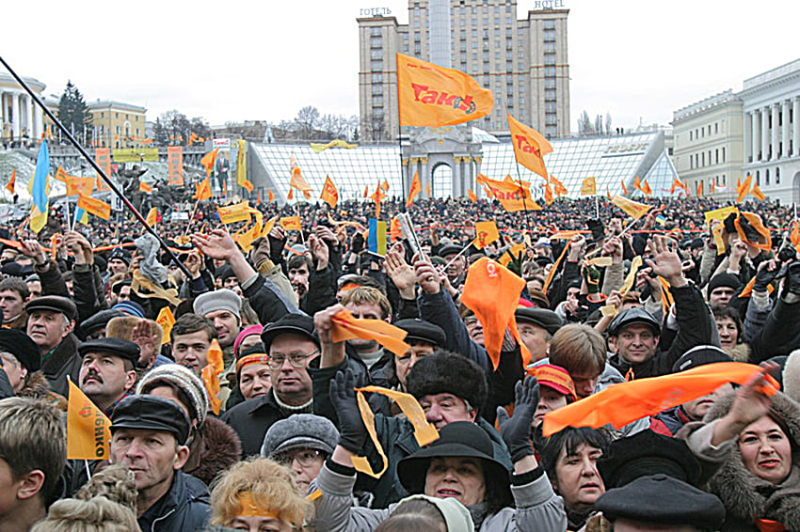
<point x="330" y="194"/>
<point x="589" y="187"/>
<point x="700" y="189"/>
<point x="434" y="96"/>
<point x="748" y="220"/>
<point x="756" y="192"/>
<point x="624" y="403"/>
<point x="530" y="146"/>
<point x="61" y="175"/>
<point x="385" y="185"/>
<point x="203" y="190"/>
<point x="472" y="197"/>
<point x="416" y="188"/>
<point x="145" y="187"/>
<point x="225" y="188"/>
<point x="495" y="313"/>
<point x="548" y="194"/>
<point x="12" y="181"/>
<point x="290" y="195"/>
<point x="258" y="198"/>
<point x="511" y="195"/>
<point x="632" y="208"/>
<point x="624" y="188"/>
<point x="152" y="217"/>
<point x="298" y="181"/>
<point x="428" y="189"/>
<point x="88" y="428"/>
<point x="794" y="235"/>
<point x="167" y="320"/>
<point x="211" y="374"/>
<point x="208" y="161"/>
<point x="646" y="188"/>
<point x="558" y="187"/>
<point x="346" y="327"/>
<point x="744" y="189"/>
<point x="291" y="223"/>
<point x="366" y="192"/>
<point x="270" y="195"/>
<point x="485" y="234"/>
<point x="238" y="212"/>
<point x="608" y="194"/>
<point x="99" y="208"/>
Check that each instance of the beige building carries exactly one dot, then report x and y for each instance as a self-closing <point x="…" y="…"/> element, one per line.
<point x="117" y="124"/>
<point x="709" y="144"/>
<point x="20" y="117"/>
<point x="524" y="62"/>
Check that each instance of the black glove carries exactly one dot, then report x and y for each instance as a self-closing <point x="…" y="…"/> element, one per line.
<point x="764" y="277"/>
<point x="793" y="278"/>
<point x="276" y="246"/>
<point x="352" y="432"/>
<point x="517" y="430"/>
<point x="357" y="244"/>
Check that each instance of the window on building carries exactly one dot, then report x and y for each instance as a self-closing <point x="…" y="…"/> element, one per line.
<point x="703" y="159"/>
<point x="376" y="42"/>
<point x="377" y="66"/>
<point x="550" y="59"/>
<point x="417" y="49"/>
<point x="521" y="54"/>
<point x="723" y="154"/>
<point x="116" y="116"/>
<point x="716" y="156"/>
<point x="377" y="77"/>
<point x="549" y="83"/>
<point x="766" y="176"/>
<point x="549" y="47"/>
<point x="716" y="127"/>
<point x="690" y="136"/>
<point x="376" y="54"/>
<point x="550" y="71"/>
<point x="550" y="95"/>
<point x="375" y="32"/>
<point x="549" y="36"/>
<point x="405" y="47"/>
<point x="549" y="24"/>
<point x="417" y="37"/>
<point x="777" y="176"/>
<point x="377" y="100"/>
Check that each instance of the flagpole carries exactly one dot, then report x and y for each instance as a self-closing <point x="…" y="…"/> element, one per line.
<point x="96" y="166"/>
<point x="596" y="206"/>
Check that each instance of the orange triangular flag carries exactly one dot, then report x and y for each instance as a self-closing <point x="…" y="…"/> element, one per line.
<point x="330" y="194"/>
<point x="434" y="96"/>
<point x="88" y="428"/>
<point x="270" y="195"/>
<point x="12" y="181"/>
<point x="208" y="161"/>
<point x="152" y="217"/>
<point x="646" y="188"/>
<point x="290" y="195"/>
<point x="624" y="188"/>
<point x="495" y="313"/>
<point x="608" y="194"/>
<point x="203" y="190"/>
<point x="548" y="194"/>
<point x="744" y="188"/>
<point x="346" y="327"/>
<point x="366" y="192"/>
<point x="756" y="192"/>
<point x="385" y="185"/>
<point x="428" y="189"/>
<point x="624" y="403"/>
<point x="700" y="189"/>
<point x="416" y="188"/>
<point x="530" y="146"/>
<point x="472" y="197"/>
<point x="258" y="197"/>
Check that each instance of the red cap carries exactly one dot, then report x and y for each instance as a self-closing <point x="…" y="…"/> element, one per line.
<point x="554" y="377"/>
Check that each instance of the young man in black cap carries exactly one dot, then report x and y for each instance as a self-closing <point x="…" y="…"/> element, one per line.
<point x="107" y="371"/>
<point x="51" y="321"/>
<point x="291" y="344"/>
<point x="148" y="436"/>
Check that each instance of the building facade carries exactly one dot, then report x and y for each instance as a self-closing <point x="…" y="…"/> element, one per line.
<point x="20" y="117"/>
<point x="709" y="144"/>
<point x="117" y="124"/>
<point x="523" y="62"/>
<point x="771" y="104"/>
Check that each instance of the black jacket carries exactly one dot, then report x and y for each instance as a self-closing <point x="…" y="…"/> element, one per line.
<point x="185" y="507"/>
<point x="63" y="361"/>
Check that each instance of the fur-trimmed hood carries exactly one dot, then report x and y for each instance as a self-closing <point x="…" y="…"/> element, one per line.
<point x="739" y="352"/>
<point x="38" y="388"/>
<point x="744" y="495"/>
<point x="214" y="450"/>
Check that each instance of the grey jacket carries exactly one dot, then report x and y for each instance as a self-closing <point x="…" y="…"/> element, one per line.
<point x="537" y="508"/>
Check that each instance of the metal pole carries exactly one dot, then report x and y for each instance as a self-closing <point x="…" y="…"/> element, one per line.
<point x="97" y="168"/>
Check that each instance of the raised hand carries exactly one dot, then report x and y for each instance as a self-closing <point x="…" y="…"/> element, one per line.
<point x="666" y="261"/>
<point x="352" y="432"/>
<point x="517" y="430"/>
<point x="217" y="244"/>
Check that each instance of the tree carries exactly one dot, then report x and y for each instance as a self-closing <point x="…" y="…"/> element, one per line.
<point x="585" y="127"/>
<point x="73" y="112"/>
<point x="307" y="121"/>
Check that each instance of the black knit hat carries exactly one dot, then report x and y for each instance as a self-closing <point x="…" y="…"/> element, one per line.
<point x="723" y="279"/>
<point x="446" y="372"/>
<point x="700" y="356"/>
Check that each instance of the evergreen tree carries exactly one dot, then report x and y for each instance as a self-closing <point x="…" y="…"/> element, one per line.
<point x="73" y="112"/>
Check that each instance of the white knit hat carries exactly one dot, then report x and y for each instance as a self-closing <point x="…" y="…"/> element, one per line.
<point x="183" y="379"/>
<point x="456" y="515"/>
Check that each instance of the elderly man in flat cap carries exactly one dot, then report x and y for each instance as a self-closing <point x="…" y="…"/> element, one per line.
<point x="51" y="321"/>
<point x="107" y="371"/>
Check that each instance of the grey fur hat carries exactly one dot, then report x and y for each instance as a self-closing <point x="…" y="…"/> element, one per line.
<point x="183" y="379"/>
<point x="300" y="431"/>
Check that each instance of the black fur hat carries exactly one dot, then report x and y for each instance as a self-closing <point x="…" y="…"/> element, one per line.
<point x="446" y="372"/>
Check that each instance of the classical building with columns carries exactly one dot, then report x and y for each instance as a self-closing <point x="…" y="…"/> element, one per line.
<point x="20" y="117"/>
<point x="771" y="103"/>
<point x="755" y="131"/>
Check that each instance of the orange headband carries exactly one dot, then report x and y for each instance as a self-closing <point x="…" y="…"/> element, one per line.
<point x="248" y="507"/>
<point x="255" y="358"/>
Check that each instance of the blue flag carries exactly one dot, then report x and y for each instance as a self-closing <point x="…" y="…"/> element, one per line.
<point x="38" y="189"/>
<point x="376" y="241"/>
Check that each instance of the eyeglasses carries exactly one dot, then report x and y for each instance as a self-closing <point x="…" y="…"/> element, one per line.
<point x="304" y="458"/>
<point x="295" y="359"/>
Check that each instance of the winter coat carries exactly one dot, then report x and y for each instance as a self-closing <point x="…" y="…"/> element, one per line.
<point x="745" y="496"/>
<point x="184" y="507"/>
<point x="536" y="507"/>
<point x="216" y="448"/>
<point x="37" y="388"/>
<point x="63" y="361"/>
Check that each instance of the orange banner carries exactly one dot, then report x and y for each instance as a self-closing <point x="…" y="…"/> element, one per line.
<point x="530" y="146"/>
<point x="80" y="185"/>
<point x="632" y="208"/>
<point x="511" y="195"/>
<point x="99" y="208"/>
<point x="434" y="96"/>
<point x="175" y="165"/>
<point x="102" y="157"/>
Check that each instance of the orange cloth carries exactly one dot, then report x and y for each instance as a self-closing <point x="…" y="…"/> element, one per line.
<point x="88" y="428"/>
<point x="79" y="185"/>
<point x="99" y="208"/>
<point x="530" y="146"/>
<point x="624" y="403"/>
<point x="471" y="195"/>
<point x="270" y="195"/>
<point x="346" y="327"/>
<point x="511" y="195"/>
<point x="485" y="234"/>
<point x="495" y="313"/>
<point x="145" y="187"/>
<point x="634" y="209"/>
<point x="211" y="374"/>
<point x="589" y="187"/>
<point x="330" y="194"/>
<point x="744" y="189"/>
<point x="291" y="223"/>
<point x="203" y="191"/>
<point x="416" y="188"/>
<point x="152" y="217"/>
<point x="434" y="96"/>
<point x="208" y="160"/>
<point x="12" y="181"/>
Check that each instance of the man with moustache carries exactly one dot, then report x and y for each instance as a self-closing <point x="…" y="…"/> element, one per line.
<point x="107" y="371"/>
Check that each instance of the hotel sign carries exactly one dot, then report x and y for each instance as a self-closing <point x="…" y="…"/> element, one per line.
<point x="378" y="11"/>
<point x="548" y="4"/>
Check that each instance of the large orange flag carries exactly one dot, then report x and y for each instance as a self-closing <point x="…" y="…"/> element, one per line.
<point x="530" y="146"/>
<point x="330" y="194"/>
<point x="88" y="428"/>
<point x="624" y="403"/>
<point x="511" y="195"/>
<point x="434" y="96"/>
<point x="211" y="374"/>
<point x="79" y="185"/>
<point x="346" y="327"/>
<point x="416" y="188"/>
<point x="471" y="195"/>
<point x="495" y="313"/>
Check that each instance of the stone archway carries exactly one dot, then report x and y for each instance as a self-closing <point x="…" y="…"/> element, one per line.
<point x="442" y="181"/>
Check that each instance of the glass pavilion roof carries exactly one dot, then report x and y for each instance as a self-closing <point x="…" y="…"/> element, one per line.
<point x="610" y="160"/>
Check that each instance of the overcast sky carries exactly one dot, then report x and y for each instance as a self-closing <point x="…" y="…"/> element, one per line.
<point x="264" y="60"/>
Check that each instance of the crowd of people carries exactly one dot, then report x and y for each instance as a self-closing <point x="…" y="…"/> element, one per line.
<point x="292" y="439"/>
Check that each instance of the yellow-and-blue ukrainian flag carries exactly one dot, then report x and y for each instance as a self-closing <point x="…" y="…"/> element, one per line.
<point x="38" y="187"/>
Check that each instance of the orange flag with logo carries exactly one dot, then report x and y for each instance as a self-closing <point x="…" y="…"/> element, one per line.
<point x="430" y="95"/>
<point x="485" y="233"/>
<point x="416" y="188"/>
<point x="346" y="327"/>
<point x="152" y="217"/>
<point x="211" y="373"/>
<point x="238" y="212"/>
<point x="744" y="189"/>
<point x="79" y="185"/>
<point x="472" y="197"/>
<point x="495" y="313"/>
<point x="624" y="403"/>
<point x="88" y="428"/>
<point x="589" y="187"/>
<point x="632" y="208"/>
<point x="12" y="181"/>
<point x="291" y="223"/>
<point x="511" y="195"/>
<point x="99" y="208"/>
<point x="530" y="146"/>
<point x="167" y="320"/>
<point x="203" y="190"/>
<point x="330" y="194"/>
